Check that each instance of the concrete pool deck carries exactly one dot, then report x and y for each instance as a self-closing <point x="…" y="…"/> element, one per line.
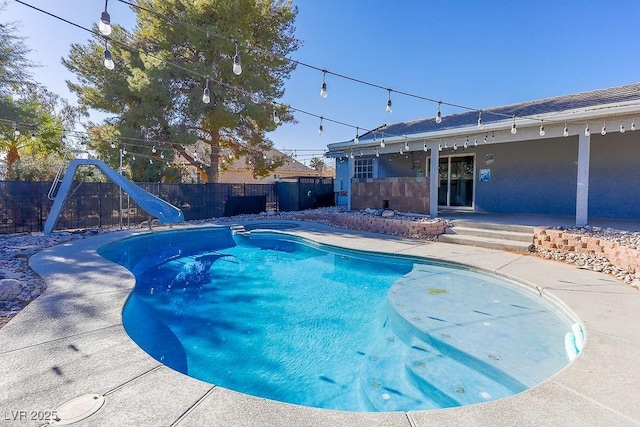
<point x="70" y="342"/>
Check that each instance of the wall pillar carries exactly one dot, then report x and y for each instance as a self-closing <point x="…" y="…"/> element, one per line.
<point x="352" y="171"/>
<point x="582" y="190"/>
<point x="434" y="181"/>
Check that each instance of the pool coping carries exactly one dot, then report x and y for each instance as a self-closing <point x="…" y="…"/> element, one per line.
<point x="70" y="342"/>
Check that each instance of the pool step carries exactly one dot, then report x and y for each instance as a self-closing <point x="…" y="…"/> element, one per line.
<point x="385" y="382"/>
<point x="450" y="381"/>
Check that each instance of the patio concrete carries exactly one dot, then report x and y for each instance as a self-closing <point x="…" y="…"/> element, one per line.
<point x="70" y="342"/>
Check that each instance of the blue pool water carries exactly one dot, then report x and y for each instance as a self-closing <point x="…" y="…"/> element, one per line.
<point x="278" y="317"/>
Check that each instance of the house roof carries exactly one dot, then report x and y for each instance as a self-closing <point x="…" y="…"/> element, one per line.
<point x="598" y="102"/>
<point x="290" y="164"/>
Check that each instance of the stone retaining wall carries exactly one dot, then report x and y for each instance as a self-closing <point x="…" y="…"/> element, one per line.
<point x="620" y="256"/>
<point x="375" y="224"/>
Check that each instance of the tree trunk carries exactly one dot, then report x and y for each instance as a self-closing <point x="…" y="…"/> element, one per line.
<point x="213" y="172"/>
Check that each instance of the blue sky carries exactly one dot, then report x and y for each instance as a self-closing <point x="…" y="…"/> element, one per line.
<point x="474" y="53"/>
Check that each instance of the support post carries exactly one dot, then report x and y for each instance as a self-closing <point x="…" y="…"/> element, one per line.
<point x="582" y="190"/>
<point x="434" y="181"/>
<point x="352" y="169"/>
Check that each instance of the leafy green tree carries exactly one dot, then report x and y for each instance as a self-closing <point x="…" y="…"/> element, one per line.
<point x="162" y="67"/>
<point x="317" y="164"/>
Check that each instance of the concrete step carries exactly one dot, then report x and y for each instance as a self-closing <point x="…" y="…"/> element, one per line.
<point x="493" y="226"/>
<point x="516" y="236"/>
<point x="487" y="242"/>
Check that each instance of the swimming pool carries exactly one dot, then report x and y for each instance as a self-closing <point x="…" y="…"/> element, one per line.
<point x="282" y="318"/>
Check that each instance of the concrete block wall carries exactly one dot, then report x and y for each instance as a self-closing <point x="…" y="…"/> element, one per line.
<point x="376" y="224"/>
<point x="621" y="256"/>
<point x="402" y="193"/>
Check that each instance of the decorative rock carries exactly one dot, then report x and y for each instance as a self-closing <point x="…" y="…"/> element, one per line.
<point x="10" y="289"/>
<point x="388" y="213"/>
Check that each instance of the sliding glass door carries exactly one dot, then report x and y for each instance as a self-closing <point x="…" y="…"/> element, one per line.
<point x="455" y="174"/>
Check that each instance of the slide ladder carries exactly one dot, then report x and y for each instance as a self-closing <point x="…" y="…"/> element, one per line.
<point x="154" y="206"/>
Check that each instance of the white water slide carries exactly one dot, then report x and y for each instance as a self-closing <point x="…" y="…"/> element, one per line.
<point x="154" y="206"/>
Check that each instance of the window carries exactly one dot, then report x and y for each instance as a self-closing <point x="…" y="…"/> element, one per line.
<point x="363" y="168"/>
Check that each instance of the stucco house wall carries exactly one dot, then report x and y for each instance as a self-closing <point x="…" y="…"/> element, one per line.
<point x="614" y="187"/>
<point x="534" y="177"/>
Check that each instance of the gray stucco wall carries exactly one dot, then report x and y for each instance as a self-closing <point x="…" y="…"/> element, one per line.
<point x="614" y="185"/>
<point x="397" y="165"/>
<point x="535" y="177"/>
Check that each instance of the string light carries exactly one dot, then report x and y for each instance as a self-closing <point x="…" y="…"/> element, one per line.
<point x="377" y="153"/>
<point x="475" y="142"/>
<point x="382" y="144"/>
<point x="150" y="161"/>
<point x="542" y="132"/>
<point x="357" y="138"/>
<point x="587" y="132"/>
<point x="565" y="131"/>
<point x="633" y="124"/>
<point x="406" y="146"/>
<point x="455" y="146"/>
<point x="153" y="149"/>
<point x="108" y="60"/>
<point x="320" y="130"/>
<point x="622" y="130"/>
<point x="206" y="95"/>
<point x="514" y="129"/>
<point x="33" y="136"/>
<point x="485" y="138"/>
<point x="604" y="128"/>
<point x="480" y="120"/>
<point x="439" y="114"/>
<point x="104" y="25"/>
<point x="113" y="144"/>
<point x="424" y="147"/>
<point x="16" y="131"/>
<point x="439" y="147"/>
<point x="276" y="117"/>
<point x="237" y="67"/>
<point x="389" y="109"/>
<point x="466" y="143"/>
<point x="124" y="150"/>
<point x="323" y="86"/>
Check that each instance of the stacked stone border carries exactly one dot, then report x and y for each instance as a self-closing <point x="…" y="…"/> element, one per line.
<point x="396" y="226"/>
<point x="621" y="256"/>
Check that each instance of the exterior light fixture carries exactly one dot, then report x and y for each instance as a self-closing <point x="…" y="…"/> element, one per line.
<point x="323" y="86"/>
<point x="389" y="109"/>
<point x="439" y="114"/>
<point x="104" y="25"/>
<point x="206" y="95"/>
<point x="108" y="60"/>
<point x="237" y="67"/>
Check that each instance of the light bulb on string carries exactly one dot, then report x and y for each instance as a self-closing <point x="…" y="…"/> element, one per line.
<point x="439" y="147"/>
<point x="425" y="148"/>
<point x="323" y="86"/>
<point x="104" y="25"/>
<point x="133" y="157"/>
<point x="124" y="150"/>
<point x="514" y="129"/>
<point x="237" y="67"/>
<point x="486" y="136"/>
<point x="480" y="125"/>
<point x="439" y="114"/>
<point x="604" y="129"/>
<point x="406" y="146"/>
<point x="455" y="146"/>
<point x="622" y="130"/>
<point x="206" y="94"/>
<point x="108" y="60"/>
<point x="466" y="143"/>
<point x="154" y="149"/>
<point x="475" y="142"/>
<point x="320" y="129"/>
<point x="633" y="124"/>
<point x="389" y="109"/>
<point x="16" y="131"/>
<point x="382" y="144"/>
<point x="587" y="132"/>
<point x="377" y="153"/>
<point x="542" y="132"/>
<point x="356" y="140"/>
<point x="276" y="117"/>
<point x="113" y="144"/>
<point x="33" y="136"/>
<point x="150" y="161"/>
<point x="565" y="131"/>
<point x="162" y="154"/>
<point x="401" y="152"/>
